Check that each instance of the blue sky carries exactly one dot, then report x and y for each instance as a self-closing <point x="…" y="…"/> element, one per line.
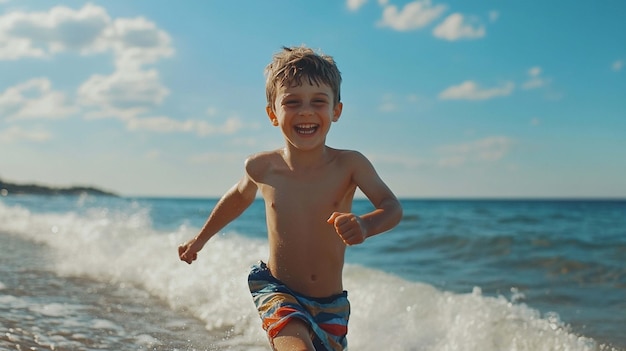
<point x="447" y="98"/>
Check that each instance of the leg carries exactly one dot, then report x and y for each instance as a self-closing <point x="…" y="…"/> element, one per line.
<point x="295" y="336"/>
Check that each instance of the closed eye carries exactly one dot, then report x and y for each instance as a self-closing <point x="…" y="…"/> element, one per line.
<point x="319" y="102"/>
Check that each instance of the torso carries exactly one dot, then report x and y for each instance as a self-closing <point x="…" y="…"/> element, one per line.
<point x="305" y="251"/>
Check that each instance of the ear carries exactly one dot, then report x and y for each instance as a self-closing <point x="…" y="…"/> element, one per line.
<point x="337" y="111"/>
<point x="271" y="115"/>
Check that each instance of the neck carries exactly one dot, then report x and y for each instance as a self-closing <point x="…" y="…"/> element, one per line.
<point x="303" y="159"/>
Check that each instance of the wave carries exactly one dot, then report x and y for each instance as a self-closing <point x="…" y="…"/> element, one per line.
<point x="121" y="246"/>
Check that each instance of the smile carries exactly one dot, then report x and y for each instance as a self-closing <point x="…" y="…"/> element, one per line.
<point x="306" y="129"/>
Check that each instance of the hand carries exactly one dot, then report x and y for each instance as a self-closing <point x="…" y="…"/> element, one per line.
<point x="349" y="226"/>
<point x="187" y="252"/>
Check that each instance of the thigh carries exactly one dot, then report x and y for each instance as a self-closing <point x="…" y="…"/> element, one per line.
<point x="296" y="335"/>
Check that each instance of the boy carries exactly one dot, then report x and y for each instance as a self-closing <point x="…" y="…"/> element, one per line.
<point x="308" y="190"/>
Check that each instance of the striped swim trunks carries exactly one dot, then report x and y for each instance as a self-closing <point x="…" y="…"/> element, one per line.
<point x="277" y="305"/>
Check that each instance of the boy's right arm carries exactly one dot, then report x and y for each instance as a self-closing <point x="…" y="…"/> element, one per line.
<point x="229" y="207"/>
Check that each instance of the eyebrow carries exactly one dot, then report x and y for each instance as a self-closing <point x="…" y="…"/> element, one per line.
<point x="287" y="94"/>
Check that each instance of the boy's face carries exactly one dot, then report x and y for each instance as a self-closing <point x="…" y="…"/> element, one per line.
<point x="304" y="113"/>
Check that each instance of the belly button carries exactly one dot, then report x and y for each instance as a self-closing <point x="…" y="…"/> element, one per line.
<point x="313" y="277"/>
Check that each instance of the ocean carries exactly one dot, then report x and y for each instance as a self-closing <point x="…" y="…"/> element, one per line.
<point x="102" y="273"/>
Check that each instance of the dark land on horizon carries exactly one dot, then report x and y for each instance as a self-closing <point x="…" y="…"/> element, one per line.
<point x="7" y="189"/>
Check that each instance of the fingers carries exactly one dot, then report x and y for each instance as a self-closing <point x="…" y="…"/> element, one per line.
<point x="181" y="250"/>
<point x="333" y="216"/>
<point x="338" y="219"/>
<point x="353" y="236"/>
<point x="344" y="224"/>
<point x="185" y="255"/>
<point x="348" y="227"/>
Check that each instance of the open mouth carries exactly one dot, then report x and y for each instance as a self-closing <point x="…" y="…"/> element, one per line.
<point x="306" y="129"/>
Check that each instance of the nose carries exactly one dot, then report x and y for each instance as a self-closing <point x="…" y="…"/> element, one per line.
<point x="305" y="110"/>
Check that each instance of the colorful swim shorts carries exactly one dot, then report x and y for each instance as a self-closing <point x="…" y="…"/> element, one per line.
<point x="277" y="305"/>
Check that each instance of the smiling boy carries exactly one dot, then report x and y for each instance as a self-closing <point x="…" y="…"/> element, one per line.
<point x="308" y="188"/>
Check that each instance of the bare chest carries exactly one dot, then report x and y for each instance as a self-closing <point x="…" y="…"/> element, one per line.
<point x="322" y="190"/>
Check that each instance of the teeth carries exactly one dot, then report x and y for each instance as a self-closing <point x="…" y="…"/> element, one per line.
<point x="306" y="128"/>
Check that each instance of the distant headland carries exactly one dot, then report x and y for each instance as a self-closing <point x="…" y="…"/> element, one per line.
<point x="7" y="189"/>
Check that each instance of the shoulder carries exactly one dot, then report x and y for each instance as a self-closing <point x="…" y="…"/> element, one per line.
<point x="258" y="164"/>
<point x="350" y="157"/>
<point x="356" y="164"/>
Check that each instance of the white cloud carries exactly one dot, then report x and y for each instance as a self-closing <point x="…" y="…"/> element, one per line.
<point x="494" y="15"/>
<point x="15" y="48"/>
<point x="123" y="89"/>
<point x="391" y="102"/>
<point x="469" y="90"/>
<point x="153" y="155"/>
<point x="354" y="5"/>
<point x="404" y="161"/>
<point x="534" y="71"/>
<point x="134" y="42"/>
<point x="40" y="34"/>
<point x="488" y="149"/>
<point x="211" y="111"/>
<point x="617" y="65"/>
<point x="414" y="15"/>
<point x="455" y="27"/>
<point x="535" y="80"/>
<point x="16" y="134"/>
<point x="128" y="94"/>
<point x="387" y="104"/>
<point x="123" y="114"/>
<point x="164" y="124"/>
<point x="34" y="99"/>
<point x="249" y="142"/>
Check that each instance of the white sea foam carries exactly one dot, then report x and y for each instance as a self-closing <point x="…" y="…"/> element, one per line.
<point x="53" y="309"/>
<point x="392" y="314"/>
<point x="388" y="313"/>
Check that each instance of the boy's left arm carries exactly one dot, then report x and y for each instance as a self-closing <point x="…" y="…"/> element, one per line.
<point x="355" y="229"/>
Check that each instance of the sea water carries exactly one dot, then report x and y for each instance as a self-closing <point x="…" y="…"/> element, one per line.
<point x="102" y="273"/>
